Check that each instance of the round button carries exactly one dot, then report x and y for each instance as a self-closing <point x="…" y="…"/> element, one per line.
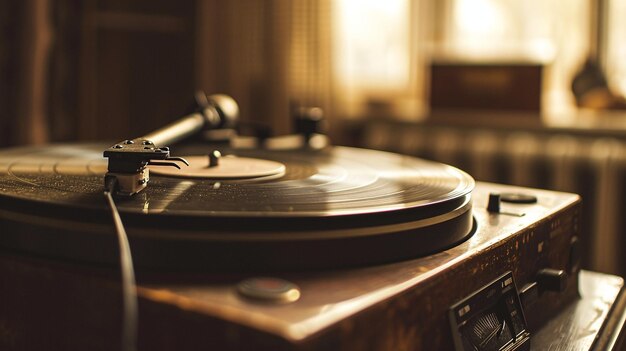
<point x="269" y="289"/>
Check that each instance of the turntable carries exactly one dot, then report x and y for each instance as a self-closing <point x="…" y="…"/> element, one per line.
<point x="274" y="244"/>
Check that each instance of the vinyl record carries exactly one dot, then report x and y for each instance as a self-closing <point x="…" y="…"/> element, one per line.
<point x="301" y="209"/>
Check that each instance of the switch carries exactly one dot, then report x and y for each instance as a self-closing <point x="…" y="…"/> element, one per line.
<point x="529" y="294"/>
<point x="552" y="279"/>
<point x="574" y="255"/>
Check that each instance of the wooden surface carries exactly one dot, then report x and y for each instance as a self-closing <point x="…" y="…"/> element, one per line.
<point x="399" y="306"/>
<point x="433" y="283"/>
<point x="593" y="322"/>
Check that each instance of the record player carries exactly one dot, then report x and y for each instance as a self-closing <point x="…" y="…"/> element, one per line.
<point x="275" y="244"/>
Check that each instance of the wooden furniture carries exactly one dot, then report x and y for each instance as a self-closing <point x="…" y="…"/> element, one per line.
<point x="57" y="306"/>
<point x="594" y="322"/>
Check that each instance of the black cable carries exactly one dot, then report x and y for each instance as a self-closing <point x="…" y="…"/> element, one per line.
<point x="129" y="289"/>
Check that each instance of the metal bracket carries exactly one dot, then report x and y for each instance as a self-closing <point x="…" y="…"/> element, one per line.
<point x="128" y="160"/>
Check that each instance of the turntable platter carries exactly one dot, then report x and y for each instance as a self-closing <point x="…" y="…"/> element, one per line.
<point x="338" y="206"/>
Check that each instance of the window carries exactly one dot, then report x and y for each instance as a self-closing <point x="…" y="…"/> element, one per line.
<point x="373" y="54"/>
<point x="382" y="48"/>
<point x="615" y="29"/>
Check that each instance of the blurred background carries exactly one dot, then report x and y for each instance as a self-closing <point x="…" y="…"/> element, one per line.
<point x="526" y="92"/>
<point x="109" y="69"/>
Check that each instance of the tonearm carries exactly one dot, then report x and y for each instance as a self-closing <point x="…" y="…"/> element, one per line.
<point x="128" y="159"/>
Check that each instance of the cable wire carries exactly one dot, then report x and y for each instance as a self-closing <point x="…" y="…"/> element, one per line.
<point x="129" y="289"/>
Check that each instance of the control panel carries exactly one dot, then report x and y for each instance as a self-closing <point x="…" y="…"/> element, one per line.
<point x="490" y="319"/>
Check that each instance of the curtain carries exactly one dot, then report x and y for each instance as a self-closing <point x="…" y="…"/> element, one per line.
<point x="24" y="54"/>
<point x="269" y="55"/>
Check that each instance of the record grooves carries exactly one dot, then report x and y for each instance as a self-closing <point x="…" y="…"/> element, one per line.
<point x="333" y="207"/>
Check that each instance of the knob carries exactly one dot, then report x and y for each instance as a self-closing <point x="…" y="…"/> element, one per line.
<point x="227" y="108"/>
<point x="308" y="121"/>
<point x="519" y="198"/>
<point x="214" y="158"/>
<point x="219" y="110"/>
<point x="494" y="203"/>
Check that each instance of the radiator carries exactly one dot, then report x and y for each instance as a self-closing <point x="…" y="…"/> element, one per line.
<point x="595" y="168"/>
